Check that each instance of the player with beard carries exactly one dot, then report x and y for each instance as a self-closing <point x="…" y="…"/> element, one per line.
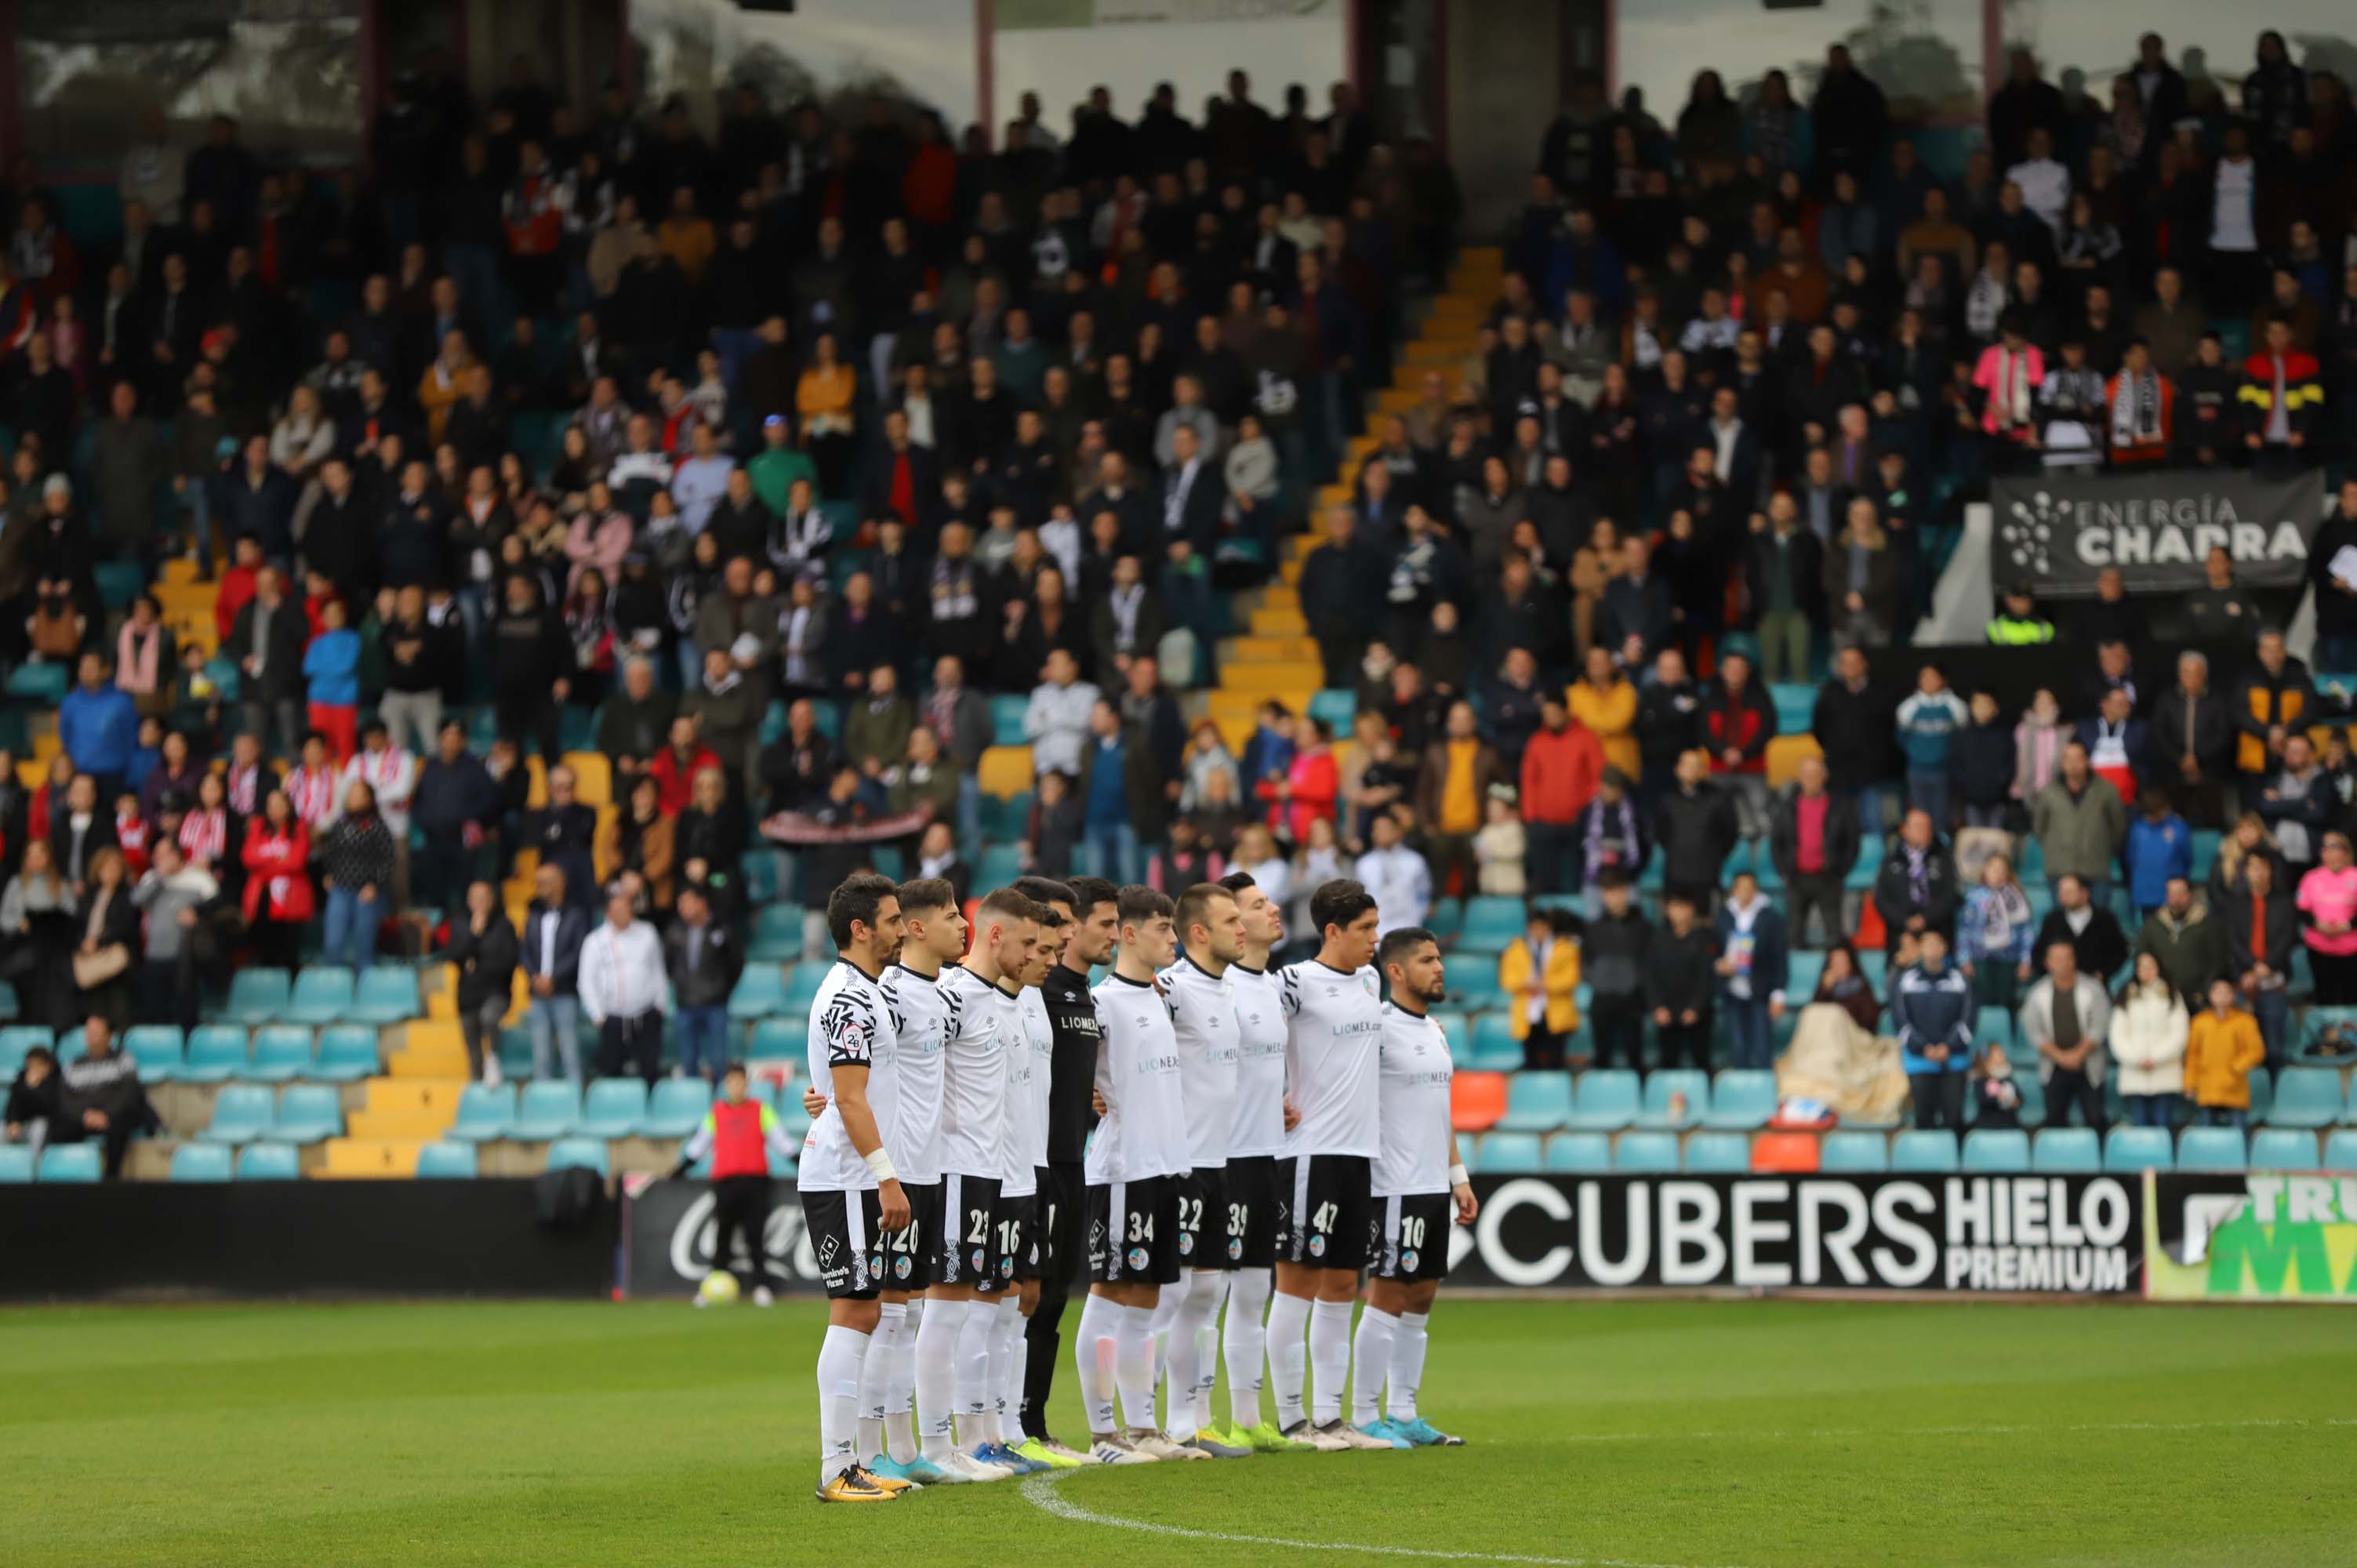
<point x="1418" y="1182"/>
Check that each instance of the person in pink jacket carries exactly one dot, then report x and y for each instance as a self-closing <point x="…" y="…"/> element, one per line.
<point x="2010" y="371"/>
<point x="599" y="536"/>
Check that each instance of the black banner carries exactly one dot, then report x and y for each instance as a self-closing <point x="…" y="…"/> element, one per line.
<point x="668" y="1239"/>
<point x="250" y="1239"/>
<point x="2056" y="531"/>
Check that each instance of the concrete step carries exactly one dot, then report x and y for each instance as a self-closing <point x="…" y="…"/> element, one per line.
<point x="1271" y="680"/>
<point x="1269" y="622"/>
<point x="1258" y="649"/>
<point x="367" y="1158"/>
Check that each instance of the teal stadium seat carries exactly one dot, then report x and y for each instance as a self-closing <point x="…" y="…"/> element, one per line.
<point x="1495" y="1049"/>
<point x="781" y="1037"/>
<point x="1741" y="1100"/>
<point x="216" y="1053"/>
<point x="201" y="1162"/>
<point x="386" y="994"/>
<point x="1458" y="1030"/>
<point x="1509" y="1153"/>
<point x="2341" y="1150"/>
<point x="70" y="1163"/>
<point x="1579" y="1153"/>
<point x="1491" y="924"/>
<point x="158" y="1048"/>
<point x="577" y="1154"/>
<point x="1996" y="1150"/>
<point x="1853" y="1153"/>
<point x="322" y="995"/>
<point x="1339" y="706"/>
<point x="2066" y="1151"/>
<point x="761" y="990"/>
<point x="802" y="987"/>
<point x="1007" y="721"/>
<point x="1924" y="1151"/>
<point x="268" y="1162"/>
<point x="2283" y="1149"/>
<point x="1604" y="1100"/>
<point x="1646" y="1154"/>
<point x="2128" y="1150"/>
<point x="485" y="1111"/>
<point x="258" y="995"/>
<point x="307" y="1113"/>
<point x="447" y="1162"/>
<point x="547" y="1109"/>
<point x="15" y="1165"/>
<point x="1717" y="1154"/>
<point x="1662" y="1086"/>
<point x="1445" y="918"/>
<point x="675" y="1108"/>
<point x="15" y="1041"/>
<point x="1537" y="1102"/>
<point x="2304" y="1097"/>
<point x="281" y="1052"/>
<point x="348" y="1052"/>
<point x="777" y="935"/>
<point x="241" y="1112"/>
<point x="2211" y="1149"/>
<point x="614" y="1108"/>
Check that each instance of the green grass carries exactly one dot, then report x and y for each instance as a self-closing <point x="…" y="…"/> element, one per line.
<point x="1659" y="1432"/>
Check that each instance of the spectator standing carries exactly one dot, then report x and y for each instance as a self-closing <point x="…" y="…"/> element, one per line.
<point x="2159" y="849"/>
<point x="2270" y="703"/>
<point x="2079" y="824"/>
<point x="1613" y="951"/>
<point x="1697" y="827"/>
<point x="2190" y="943"/>
<point x="2065" y="1018"/>
<point x="171" y="896"/>
<point x="704" y="963"/>
<point x="554" y="930"/>
<point x="1928" y="722"/>
<point x="2091" y="929"/>
<point x="1604" y="700"/>
<point x="2192" y="741"/>
<point x="1453" y="783"/>
<point x="1994" y="933"/>
<point x="1982" y="757"/>
<point x="1539" y="972"/>
<point x="2221" y="1046"/>
<point x="357" y="858"/>
<point x="331" y="668"/>
<point x="1608" y="837"/>
<point x="2261" y="927"/>
<point x="278" y="902"/>
<point x="456" y="812"/>
<point x="1752" y="963"/>
<point x="1915" y="891"/>
<point x="1562" y="766"/>
<point x="624" y="991"/>
<point x="1679" y="963"/>
<point x="1737" y="723"/>
<point x="2327" y="896"/>
<point x="484" y="947"/>
<point x="1852" y="725"/>
<point x="1056" y="719"/>
<point x="1932" y="1012"/>
<point x="2149" y="1024"/>
<point x="98" y="725"/>
<point x="1814" y="841"/>
<point x="1395" y="875"/>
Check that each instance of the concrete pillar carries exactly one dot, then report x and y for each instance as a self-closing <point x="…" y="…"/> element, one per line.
<point x="1504" y="61"/>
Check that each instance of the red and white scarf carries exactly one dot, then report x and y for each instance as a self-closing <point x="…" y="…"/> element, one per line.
<point x="245" y="789"/>
<point x="312" y="793"/>
<point x="204" y="836"/>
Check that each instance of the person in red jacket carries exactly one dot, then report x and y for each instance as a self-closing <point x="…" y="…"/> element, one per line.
<point x="1308" y="789"/>
<point x="739" y="1133"/>
<point x="1561" y="766"/>
<point x="675" y="767"/>
<point x="2282" y="398"/>
<point x="1737" y="723"/>
<point x="278" y="902"/>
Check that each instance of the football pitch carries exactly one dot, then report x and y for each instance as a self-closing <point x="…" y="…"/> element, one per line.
<point x="1684" y="1434"/>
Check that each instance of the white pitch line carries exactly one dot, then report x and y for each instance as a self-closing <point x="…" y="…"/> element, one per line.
<point x="1042" y="1493"/>
<point x="1779" y="1434"/>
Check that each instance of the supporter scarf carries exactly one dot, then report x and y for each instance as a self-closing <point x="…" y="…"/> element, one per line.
<point x="2136" y="413"/>
<point x="2011" y="393"/>
<point x="1125" y="603"/>
<point x="312" y="794"/>
<point x="2008" y="909"/>
<point x="1624" y="831"/>
<point x="245" y="789"/>
<point x="204" y="836"/>
<point x="1983" y="302"/>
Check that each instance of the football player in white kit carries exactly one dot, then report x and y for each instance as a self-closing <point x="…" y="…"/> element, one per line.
<point x="851" y="1192"/>
<point x="1420" y="1186"/>
<point x="1202" y="1003"/>
<point x="960" y="1310"/>
<point x="1325" y="1183"/>
<point x="1134" y="1165"/>
<point x="1247" y="1249"/>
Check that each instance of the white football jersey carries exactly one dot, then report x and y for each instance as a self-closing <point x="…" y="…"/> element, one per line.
<point x="1027" y="1064"/>
<point x="927" y="1017"/>
<point x="973" y="1090"/>
<point x="1203" y="1017"/>
<point x="851" y="1025"/>
<point x="1257" y="1125"/>
<point x="1144" y="1133"/>
<point x="1335" y="1024"/>
<point x="1414" y="1093"/>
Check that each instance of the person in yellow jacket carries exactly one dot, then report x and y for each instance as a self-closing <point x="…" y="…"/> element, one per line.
<point x="2220" y="1052"/>
<point x="1541" y="970"/>
<point x="1604" y="700"/>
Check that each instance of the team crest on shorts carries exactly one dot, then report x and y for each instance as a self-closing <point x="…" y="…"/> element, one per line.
<point x="1138" y="1257"/>
<point x="977" y="1260"/>
<point x="1235" y="1246"/>
<point x="1317" y="1246"/>
<point x="1408" y="1261"/>
<point x="900" y="1266"/>
<point x="1186" y="1244"/>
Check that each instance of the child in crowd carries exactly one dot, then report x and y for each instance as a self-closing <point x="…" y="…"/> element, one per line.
<point x="332" y="665"/>
<point x="2000" y="1097"/>
<point x="1499" y="846"/>
<point x="2220" y="1052"/>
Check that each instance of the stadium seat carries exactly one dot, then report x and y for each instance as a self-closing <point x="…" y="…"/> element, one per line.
<point x="759" y="869"/>
<point x="322" y="995"/>
<point x="1337" y="706"/>
<point x="2283" y="1149"/>
<point x="774" y="1038"/>
<point x="268" y="1162"/>
<point x="1494" y="1049"/>
<point x="1646" y="1154"/>
<point x="306" y="1113"/>
<point x="348" y="1052"/>
<point x="216" y="1053"/>
<point x="1664" y="1086"/>
<point x="200" y="1162"/>
<point x="1924" y="1151"/>
<point x="2305" y="1097"/>
<point x="675" y="1108"/>
<point x="1786" y="1154"/>
<point x="1741" y="1100"/>
<point x="777" y="938"/>
<point x="1537" y="1102"/>
<point x="386" y="994"/>
<point x="1508" y="1152"/>
<point x="1999" y="1151"/>
<point x="281" y="1052"/>
<point x="1004" y="770"/>
<point x="2211" y="1149"/>
<point x="1579" y="1153"/>
<point x="1854" y="1154"/>
<point x="1445" y="918"/>
<point x="70" y="1163"/>
<point x="1007" y="720"/>
<point x="547" y="1109"/>
<point x="485" y="1111"/>
<point x="1715" y="1154"/>
<point x="761" y="990"/>
<point x="444" y="1161"/>
<point x="15" y="1165"/>
<point x="1993" y="1024"/>
<point x="2065" y="1150"/>
<point x="158" y="1048"/>
<point x="241" y="1112"/>
<point x="614" y="1108"/>
<point x="2262" y="1085"/>
<point x="2341" y="1150"/>
<point x="257" y="995"/>
<point x="1491" y="924"/>
<point x="577" y="1154"/>
<point x="1605" y="1100"/>
<point x="2128" y="1150"/>
<point x="18" y="1039"/>
<point x="1458" y="1029"/>
<point x="1475" y="1100"/>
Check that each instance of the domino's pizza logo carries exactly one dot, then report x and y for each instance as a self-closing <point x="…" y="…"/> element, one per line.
<point x="827" y="1251"/>
<point x="1235" y="1248"/>
<point x="1137" y="1259"/>
<point x="978" y="1261"/>
<point x="1317" y="1246"/>
<point x="1408" y="1261"/>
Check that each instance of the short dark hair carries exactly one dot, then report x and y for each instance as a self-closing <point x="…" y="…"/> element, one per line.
<point x="1237" y="881"/>
<point x="1399" y="943"/>
<point x="1195" y="904"/>
<point x="1139" y="902"/>
<point x="928" y="893"/>
<point x="1614" y="877"/>
<point x="1007" y="904"/>
<point x="1337" y="903"/>
<point x="1088" y="892"/>
<point x="1047" y="890"/>
<point x="734" y="1069"/>
<point x="856" y="898"/>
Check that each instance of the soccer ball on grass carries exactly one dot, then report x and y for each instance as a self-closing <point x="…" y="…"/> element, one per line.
<point x="719" y="1289"/>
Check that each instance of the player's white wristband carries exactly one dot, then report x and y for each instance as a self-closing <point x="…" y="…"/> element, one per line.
<point x="1457" y="1177"/>
<point x="880" y="1164"/>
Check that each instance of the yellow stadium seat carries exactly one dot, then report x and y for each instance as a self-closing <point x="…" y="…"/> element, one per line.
<point x="1785" y="754"/>
<point x="1005" y="771"/>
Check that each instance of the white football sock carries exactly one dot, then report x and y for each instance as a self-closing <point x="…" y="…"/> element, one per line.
<point x="840" y="1358"/>
<point x="875" y="1376"/>
<point x="1370" y="1358"/>
<point x="1330" y="1359"/>
<point x="1018" y="1360"/>
<point x="937" y="1342"/>
<point x="1133" y="1366"/>
<point x="1244" y="1337"/>
<point x="1092" y="1354"/>
<point x="900" y="1388"/>
<point x="1006" y="1328"/>
<point x="1166" y="1308"/>
<point x="1288" y="1359"/>
<point x="1170" y="1362"/>
<point x="1407" y="1365"/>
<point x="1194" y="1353"/>
<point x="973" y="1372"/>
